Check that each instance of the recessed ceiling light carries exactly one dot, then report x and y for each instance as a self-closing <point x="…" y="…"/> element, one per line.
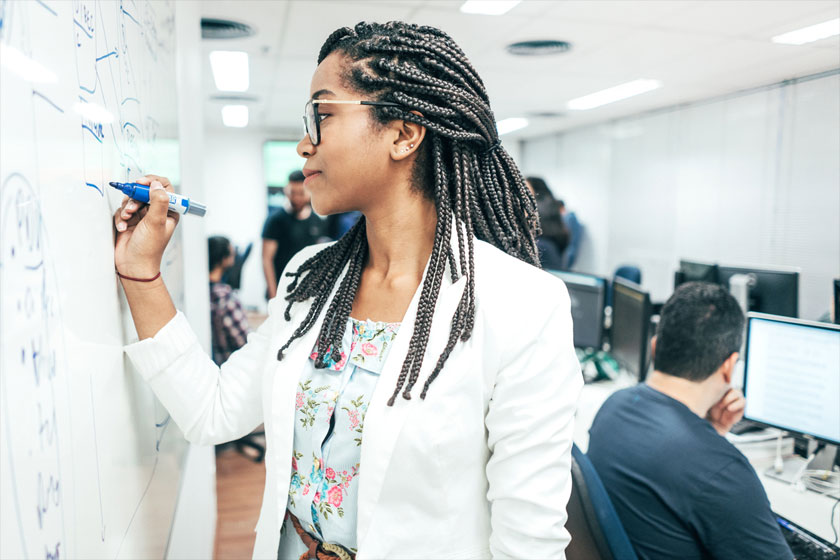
<point x="28" y="69"/>
<point x="230" y="70"/>
<point x="538" y="47"/>
<point x="488" y="7"/>
<point x="235" y="116"/>
<point x="509" y="125"/>
<point x="810" y="34"/>
<point x="613" y="94"/>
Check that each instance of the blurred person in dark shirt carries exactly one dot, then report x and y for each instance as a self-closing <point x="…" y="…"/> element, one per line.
<point x="554" y="237"/>
<point x="288" y="230"/>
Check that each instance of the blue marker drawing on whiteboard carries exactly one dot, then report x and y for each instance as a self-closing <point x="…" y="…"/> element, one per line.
<point x="177" y="203"/>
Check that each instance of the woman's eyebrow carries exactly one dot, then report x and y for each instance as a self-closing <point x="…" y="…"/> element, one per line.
<point x="321" y="92"/>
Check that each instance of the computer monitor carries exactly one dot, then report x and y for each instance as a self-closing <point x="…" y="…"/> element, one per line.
<point x="691" y="271"/>
<point x="792" y="375"/>
<point x="631" y="312"/>
<point x="774" y="291"/>
<point x="587" y="293"/>
<point x="837" y="301"/>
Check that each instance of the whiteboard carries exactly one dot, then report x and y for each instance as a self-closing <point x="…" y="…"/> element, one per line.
<point x="90" y="463"/>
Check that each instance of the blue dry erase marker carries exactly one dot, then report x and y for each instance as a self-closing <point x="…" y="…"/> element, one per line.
<point x="177" y="203"/>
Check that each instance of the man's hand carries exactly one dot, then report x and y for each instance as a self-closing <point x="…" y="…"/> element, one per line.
<point x="727" y="411"/>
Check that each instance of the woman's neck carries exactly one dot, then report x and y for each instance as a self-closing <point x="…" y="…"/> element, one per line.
<point x="400" y="238"/>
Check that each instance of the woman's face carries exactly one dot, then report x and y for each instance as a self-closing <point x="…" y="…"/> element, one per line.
<point x="350" y="166"/>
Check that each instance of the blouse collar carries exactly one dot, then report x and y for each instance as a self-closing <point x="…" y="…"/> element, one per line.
<point x="365" y="344"/>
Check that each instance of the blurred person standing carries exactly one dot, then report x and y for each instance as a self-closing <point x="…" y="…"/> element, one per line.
<point x="575" y="231"/>
<point x="227" y="318"/>
<point x="288" y="230"/>
<point x="554" y="237"/>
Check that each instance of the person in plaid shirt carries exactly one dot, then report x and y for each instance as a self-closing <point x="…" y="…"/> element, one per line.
<point x="227" y="318"/>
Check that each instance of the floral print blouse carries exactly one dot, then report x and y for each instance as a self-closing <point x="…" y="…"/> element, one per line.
<point x="330" y="409"/>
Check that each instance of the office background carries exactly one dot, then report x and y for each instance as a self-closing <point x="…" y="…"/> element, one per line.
<point x="735" y="159"/>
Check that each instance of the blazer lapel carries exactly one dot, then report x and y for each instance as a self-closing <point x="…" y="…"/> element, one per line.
<point x="383" y="423"/>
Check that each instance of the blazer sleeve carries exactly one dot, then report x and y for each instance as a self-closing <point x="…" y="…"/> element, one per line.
<point x="530" y="423"/>
<point x="210" y="404"/>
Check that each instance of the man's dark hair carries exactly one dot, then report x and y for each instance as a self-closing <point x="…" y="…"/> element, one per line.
<point x="218" y="249"/>
<point x="700" y="326"/>
<point x="476" y="187"/>
<point x="296" y="176"/>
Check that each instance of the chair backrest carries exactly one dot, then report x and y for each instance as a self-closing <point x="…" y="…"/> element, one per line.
<point x="233" y="275"/>
<point x="596" y="530"/>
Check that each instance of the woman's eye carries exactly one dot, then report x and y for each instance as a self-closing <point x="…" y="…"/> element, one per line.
<point x="322" y="116"/>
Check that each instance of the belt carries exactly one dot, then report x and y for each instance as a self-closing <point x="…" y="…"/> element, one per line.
<point x="318" y="550"/>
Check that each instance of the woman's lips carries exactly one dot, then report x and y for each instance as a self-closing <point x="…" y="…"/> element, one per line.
<point x="310" y="176"/>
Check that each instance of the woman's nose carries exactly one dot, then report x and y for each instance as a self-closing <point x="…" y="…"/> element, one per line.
<point x="305" y="148"/>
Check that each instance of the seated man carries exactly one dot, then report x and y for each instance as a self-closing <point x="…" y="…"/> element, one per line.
<point x="680" y="489"/>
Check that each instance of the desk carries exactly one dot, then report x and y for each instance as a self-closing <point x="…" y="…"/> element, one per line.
<point x="806" y="508"/>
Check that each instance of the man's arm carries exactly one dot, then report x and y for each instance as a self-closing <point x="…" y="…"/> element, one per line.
<point x="269" y="249"/>
<point x="735" y="519"/>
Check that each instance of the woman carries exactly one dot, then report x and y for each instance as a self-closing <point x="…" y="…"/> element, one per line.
<point x="437" y="285"/>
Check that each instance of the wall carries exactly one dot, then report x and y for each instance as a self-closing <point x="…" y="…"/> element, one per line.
<point x="194" y="525"/>
<point x="237" y="200"/>
<point x="750" y="179"/>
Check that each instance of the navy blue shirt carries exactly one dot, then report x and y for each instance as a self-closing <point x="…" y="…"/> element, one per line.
<point x="680" y="489"/>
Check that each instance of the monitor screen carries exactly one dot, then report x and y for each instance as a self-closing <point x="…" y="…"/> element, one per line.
<point x="837" y="301"/>
<point x="775" y="291"/>
<point x="630" y="321"/>
<point x="587" y="296"/>
<point x="792" y="375"/>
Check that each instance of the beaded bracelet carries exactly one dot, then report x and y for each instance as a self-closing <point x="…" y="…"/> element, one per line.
<point x="124" y="277"/>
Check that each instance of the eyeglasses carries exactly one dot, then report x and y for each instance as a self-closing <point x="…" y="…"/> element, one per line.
<point x="312" y="121"/>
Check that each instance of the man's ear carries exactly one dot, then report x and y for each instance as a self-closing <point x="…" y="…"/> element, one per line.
<point x="652" y="348"/>
<point x="408" y="138"/>
<point x="728" y="367"/>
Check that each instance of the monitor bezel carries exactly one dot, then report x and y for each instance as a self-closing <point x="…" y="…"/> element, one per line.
<point x="648" y="311"/>
<point x="789" y="320"/>
<point x="568" y="277"/>
<point x="726" y="271"/>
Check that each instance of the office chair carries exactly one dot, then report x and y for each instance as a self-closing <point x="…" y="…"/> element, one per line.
<point x="597" y="533"/>
<point x="233" y="275"/>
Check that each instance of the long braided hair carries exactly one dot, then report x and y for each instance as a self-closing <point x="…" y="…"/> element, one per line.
<point x="473" y="182"/>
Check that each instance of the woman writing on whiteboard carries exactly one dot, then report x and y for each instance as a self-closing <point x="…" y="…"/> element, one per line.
<point x="416" y="378"/>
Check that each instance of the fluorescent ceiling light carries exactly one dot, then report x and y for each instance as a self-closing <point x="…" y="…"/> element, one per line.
<point x="509" y="125"/>
<point x="28" y="69"/>
<point x="810" y="33"/>
<point x="94" y="112"/>
<point x="235" y="115"/>
<point x="488" y="7"/>
<point x="613" y="94"/>
<point x="230" y="70"/>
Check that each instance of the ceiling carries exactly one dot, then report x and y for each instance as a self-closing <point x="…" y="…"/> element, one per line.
<point x="697" y="49"/>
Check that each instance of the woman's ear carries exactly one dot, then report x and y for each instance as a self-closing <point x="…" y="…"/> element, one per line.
<point x="409" y="137"/>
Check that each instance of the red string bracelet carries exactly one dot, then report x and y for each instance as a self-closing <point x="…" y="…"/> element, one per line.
<point x="124" y="277"/>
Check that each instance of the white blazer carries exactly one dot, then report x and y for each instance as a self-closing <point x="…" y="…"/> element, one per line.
<point x="479" y="469"/>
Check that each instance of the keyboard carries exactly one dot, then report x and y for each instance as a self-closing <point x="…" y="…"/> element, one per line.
<point x="804" y="544"/>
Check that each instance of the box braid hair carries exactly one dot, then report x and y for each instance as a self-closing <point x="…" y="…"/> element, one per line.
<point x="473" y="182"/>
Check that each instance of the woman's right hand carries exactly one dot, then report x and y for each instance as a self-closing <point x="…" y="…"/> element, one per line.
<point x="143" y="231"/>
